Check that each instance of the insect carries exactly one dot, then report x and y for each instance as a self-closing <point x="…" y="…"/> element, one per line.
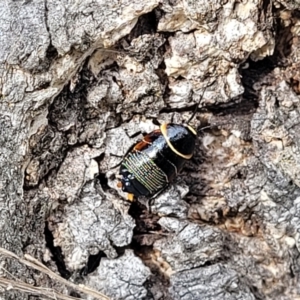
<point x="156" y="160"/>
<point x="151" y="164"/>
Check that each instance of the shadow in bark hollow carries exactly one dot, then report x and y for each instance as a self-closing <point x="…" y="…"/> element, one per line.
<point x="255" y="72"/>
<point x="94" y="261"/>
<point x="51" y="53"/>
<point x="92" y="264"/>
<point x="103" y="181"/>
<point x="146" y="232"/>
<point x="283" y="38"/>
<point x="56" y="252"/>
<point x="145" y="221"/>
<point x="75" y="294"/>
<point x="146" y="225"/>
<point x="260" y="71"/>
<point x="146" y="24"/>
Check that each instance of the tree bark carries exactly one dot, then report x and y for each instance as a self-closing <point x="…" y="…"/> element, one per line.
<point x="82" y="81"/>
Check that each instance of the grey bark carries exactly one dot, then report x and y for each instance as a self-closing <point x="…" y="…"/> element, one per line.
<point x="82" y="80"/>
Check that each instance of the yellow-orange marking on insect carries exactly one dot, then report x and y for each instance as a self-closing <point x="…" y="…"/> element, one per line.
<point x="192" y="130"/>
<point x="130" y="197"/>
<point x="119" y="184"/>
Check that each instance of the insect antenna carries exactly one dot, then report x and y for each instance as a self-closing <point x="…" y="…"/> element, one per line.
<point x="216" y="125"/>
<point x="198" y="103"/>
<point x="196" y="108"/>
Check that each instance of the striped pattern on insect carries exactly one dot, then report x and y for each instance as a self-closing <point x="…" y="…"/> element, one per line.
<point x="155" y="161"/>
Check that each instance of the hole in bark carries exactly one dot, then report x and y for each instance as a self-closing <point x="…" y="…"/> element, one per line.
<point x="146" y="24"/>
<point x="103" y="181"/>
<point x="254" y="290"/>
<point x="75" y="294"/>
<point x="56" y="252"/>
<point x="255" y="73"/>
<point x="44" y="86"/>
<point x="51" y="53"/>
<point x="144" y="234"/>
<point x="259" y="73"/>
<point x="120" y="250"/>
<point x="239" y="175"/>
<point x="92" y="264"/>
<point x="99" y="158"/>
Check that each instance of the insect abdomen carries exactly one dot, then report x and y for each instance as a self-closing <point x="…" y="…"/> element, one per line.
<point x="145" y="171"/>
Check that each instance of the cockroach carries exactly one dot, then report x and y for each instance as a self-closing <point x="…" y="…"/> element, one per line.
<point x="151" y="164"/>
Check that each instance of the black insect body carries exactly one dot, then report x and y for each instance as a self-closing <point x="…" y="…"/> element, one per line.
<point x="155" y="161"/>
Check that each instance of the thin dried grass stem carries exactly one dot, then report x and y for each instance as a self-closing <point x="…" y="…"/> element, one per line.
<point x="50" y="293"/>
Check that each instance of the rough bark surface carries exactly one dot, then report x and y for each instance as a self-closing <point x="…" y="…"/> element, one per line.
<point x="81" y="81"/>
